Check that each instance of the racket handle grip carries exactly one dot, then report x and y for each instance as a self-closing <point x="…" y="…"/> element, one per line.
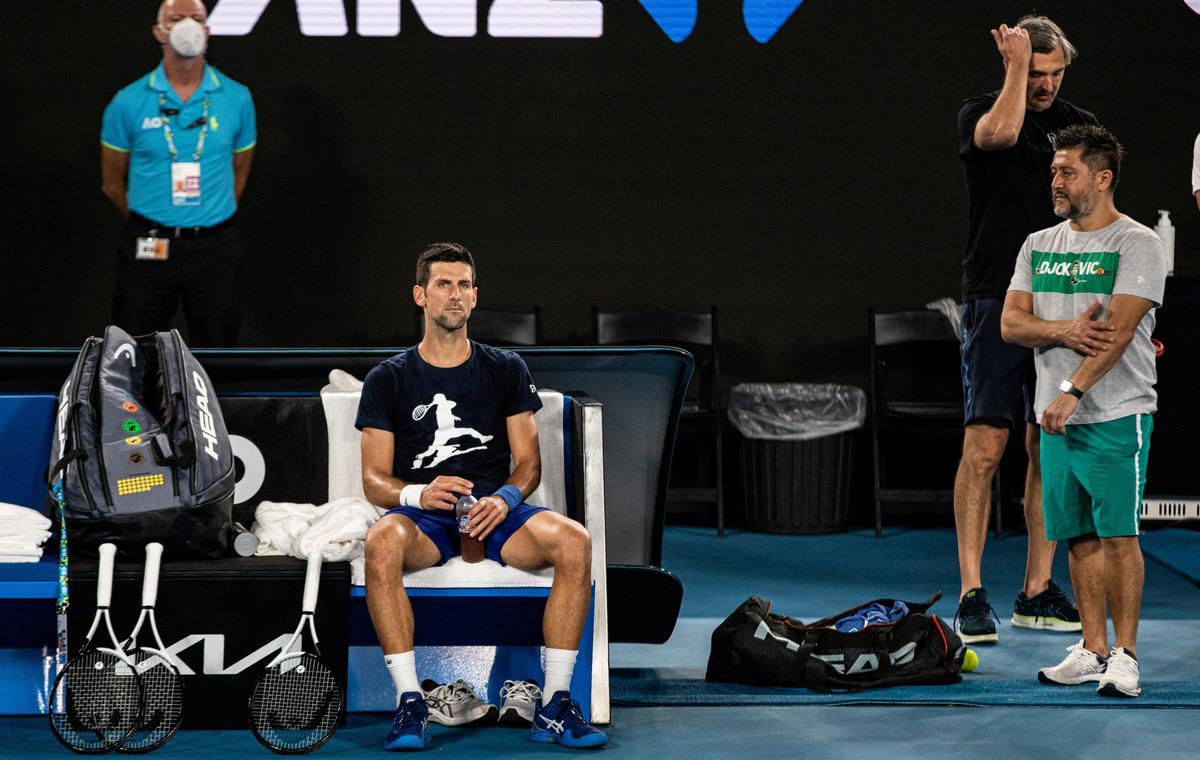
<point x="312" y="581"/>
<point x="104" y="577"/>
<point x="154" y="552"/>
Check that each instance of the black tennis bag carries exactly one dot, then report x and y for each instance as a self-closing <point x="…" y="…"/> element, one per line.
<point x="141" y="449"/>
<point x="758" y="648"/>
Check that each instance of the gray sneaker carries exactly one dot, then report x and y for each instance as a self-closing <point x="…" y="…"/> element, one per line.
<point x="456" y="704"/>
<point x="1080" y="666"/>
<point x="518" y="699"/>
<point x="1121" y="677"/>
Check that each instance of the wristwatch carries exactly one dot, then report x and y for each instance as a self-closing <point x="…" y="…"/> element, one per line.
<point x="1069" y="387"/>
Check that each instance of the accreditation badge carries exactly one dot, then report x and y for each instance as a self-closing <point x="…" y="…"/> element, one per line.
<point x="185" y="183"/>
<point x="152" y="249"/>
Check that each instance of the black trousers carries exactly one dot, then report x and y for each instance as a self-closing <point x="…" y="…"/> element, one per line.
<point x="200" y="272"/>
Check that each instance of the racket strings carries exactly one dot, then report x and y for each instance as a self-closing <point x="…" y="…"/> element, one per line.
<point x="296" y="704"/>
<point x="163" y="691"/>
<point x="97" y="702"/>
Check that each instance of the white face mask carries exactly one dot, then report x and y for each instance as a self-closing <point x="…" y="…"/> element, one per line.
<point x="187" y="37"/>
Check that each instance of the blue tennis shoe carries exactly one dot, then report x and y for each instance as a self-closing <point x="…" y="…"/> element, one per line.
<point x="561" y="721"/>
<point x="410" y="727"/>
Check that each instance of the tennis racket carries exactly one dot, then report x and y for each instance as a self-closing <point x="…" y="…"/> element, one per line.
<point x="97" y="702"/>
<point x="297" y="702"/>
<point x="162" y="685"/>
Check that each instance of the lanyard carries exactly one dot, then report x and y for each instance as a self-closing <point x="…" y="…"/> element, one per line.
<point x="64" y="598"/>
<point x="166" y="122"/>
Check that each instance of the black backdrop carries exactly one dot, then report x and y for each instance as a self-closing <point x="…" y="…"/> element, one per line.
<point x="791" y="183"/>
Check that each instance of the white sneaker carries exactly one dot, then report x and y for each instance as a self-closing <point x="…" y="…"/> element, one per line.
<point x="519" y="699"/>
<point x="1080" y="666"/>
<point x="1121" y="677"/>
<point x="456" y="704"/>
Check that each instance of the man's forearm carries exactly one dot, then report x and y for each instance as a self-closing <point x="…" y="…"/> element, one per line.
<point x="241" y="172"/>
<point x="239" y="184"/>
<point x="383" y="490"/>
<point x="1000" y="126"/>
<point x="117" y="194"/>
<point x="526" y="476"/>
<point x="1025" y="329"/>
<point x="1092" y="368"/>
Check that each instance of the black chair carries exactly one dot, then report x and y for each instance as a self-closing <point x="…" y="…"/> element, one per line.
<point x="702" y="412"/>
<point x="498" y="328"/>
<point x="916" y="403"/>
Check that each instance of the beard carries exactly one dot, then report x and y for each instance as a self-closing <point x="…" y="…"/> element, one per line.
<point x="451" y="322"/>
<point x="1074" y="207"/>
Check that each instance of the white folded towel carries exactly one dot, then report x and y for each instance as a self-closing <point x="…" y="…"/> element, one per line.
<point x="9" y="558"/>
<point x="16" y="515"/>
<point x="336" y="529"/>
<point x="32" y="542"/>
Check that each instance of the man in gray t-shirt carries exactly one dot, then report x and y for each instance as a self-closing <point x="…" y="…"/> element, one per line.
<point x="1083" y="294"/>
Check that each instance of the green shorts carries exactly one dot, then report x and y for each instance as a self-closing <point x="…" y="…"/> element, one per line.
<point x="1093" y="478"/>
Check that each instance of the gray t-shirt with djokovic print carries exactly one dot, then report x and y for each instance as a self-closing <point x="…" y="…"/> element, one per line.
<point x="1066" y="270"/>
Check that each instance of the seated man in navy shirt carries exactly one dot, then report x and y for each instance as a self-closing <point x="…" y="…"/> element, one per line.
<point x="440" y="421"/>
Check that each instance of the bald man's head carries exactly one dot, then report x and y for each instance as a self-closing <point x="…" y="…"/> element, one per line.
<point x="172" y="10"/>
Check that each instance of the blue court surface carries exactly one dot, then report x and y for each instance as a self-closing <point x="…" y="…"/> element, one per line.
<point x="663" y="708"/>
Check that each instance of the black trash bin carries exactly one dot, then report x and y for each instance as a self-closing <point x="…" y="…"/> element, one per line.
<point x="797" y="454"/>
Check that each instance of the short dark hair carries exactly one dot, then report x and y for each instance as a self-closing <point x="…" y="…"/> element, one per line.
<point x="442" y="252"/>
<point x="1045" y="37"/>
<point x="1100" y="148"/>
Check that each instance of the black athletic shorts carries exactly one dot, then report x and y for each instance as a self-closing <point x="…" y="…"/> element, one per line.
<point x="998" y="377"/>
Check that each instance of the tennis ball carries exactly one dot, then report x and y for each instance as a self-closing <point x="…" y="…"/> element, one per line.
<point x="970" y="661"/>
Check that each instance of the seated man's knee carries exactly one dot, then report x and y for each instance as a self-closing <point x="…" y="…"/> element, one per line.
<point x="386" y="542"/>
<point x="573" y="544"/>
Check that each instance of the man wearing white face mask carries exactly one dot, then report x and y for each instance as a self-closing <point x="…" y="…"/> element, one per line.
<point x="175" y="152"/>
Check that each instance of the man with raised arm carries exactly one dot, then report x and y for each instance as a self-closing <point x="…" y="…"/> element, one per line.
<point x="1004" y="143"/>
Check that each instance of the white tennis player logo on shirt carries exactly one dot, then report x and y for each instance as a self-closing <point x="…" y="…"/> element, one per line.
<point x="442" y="449"/>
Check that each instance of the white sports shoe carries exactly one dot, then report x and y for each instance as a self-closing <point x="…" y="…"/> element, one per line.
<point x="1121" y="677"/>
<point x="1080" y="666"/>
<point x="519" y="699"/>
<point x="456" y="704"/>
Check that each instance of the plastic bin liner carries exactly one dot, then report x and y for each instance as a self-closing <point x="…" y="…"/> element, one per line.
<point x="796" y="411"/>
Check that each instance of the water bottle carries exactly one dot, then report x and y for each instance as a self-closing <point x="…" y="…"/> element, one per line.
<point x="245" y="543"/>
<point x="1166" y="233"/>
<point x="471" y="549"/>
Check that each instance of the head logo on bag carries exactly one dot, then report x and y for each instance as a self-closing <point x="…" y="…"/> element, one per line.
<point x="126" y="350"/>
<point x="167" y="475"/>
<point x="207" y="427"/>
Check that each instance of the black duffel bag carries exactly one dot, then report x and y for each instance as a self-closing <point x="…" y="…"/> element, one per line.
<point x="756" y="647"/>
<point x="140" y="451"/>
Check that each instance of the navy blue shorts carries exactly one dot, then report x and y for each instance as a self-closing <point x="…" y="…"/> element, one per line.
<point x="442" y="528"/>
<point x="998" y="378"/>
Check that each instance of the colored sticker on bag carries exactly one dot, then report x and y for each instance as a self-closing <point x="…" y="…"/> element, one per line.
<point x="137" y="457"/>
<point x="132" y="426"/>
<point x="139" y="484"/>
<point x="130" y="407"/>
<point x="133" y="440"/>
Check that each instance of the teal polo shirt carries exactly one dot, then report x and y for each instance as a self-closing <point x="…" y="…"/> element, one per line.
<point x="133" y="124"/>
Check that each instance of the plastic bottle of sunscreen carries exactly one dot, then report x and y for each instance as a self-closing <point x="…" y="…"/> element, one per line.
<point x="1166" y="233"/>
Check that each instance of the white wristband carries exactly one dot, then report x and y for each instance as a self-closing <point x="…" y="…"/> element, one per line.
<point x="410" y="495"/>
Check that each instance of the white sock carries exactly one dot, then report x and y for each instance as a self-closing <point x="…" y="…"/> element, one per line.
<point x="560" y="665"/>
<point x="402" y="667"/>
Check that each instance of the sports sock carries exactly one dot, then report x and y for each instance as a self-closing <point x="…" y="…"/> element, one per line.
<point x="560" y="665"/>
<point x="402" y="667"/>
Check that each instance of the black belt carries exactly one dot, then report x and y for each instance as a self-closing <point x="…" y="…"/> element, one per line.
<point x="165" y="230"/>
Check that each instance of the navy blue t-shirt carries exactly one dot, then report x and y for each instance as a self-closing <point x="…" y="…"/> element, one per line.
<point x="449" y="420"/>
